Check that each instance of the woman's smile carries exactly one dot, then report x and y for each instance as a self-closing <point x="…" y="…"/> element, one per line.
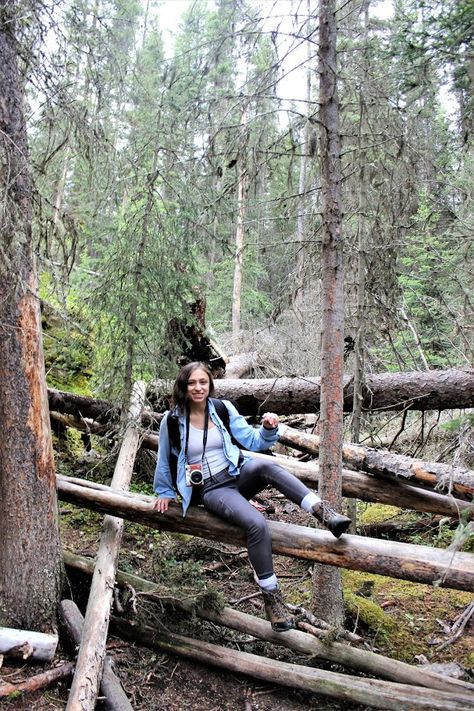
<point x="198" y="385"/>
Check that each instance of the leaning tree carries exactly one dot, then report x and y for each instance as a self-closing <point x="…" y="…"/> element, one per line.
<point x="30" y="553"/>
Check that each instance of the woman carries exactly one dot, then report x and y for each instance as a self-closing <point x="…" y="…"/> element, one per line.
<point x="229" y="478"/>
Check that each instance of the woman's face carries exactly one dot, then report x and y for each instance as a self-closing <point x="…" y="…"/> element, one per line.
<point x="198" y="386"/>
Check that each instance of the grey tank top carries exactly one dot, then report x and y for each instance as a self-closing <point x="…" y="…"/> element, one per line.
<point x="214" y="460"/>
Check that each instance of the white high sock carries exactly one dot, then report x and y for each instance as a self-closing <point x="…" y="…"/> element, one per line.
<point x="309" y="501"/>
<point x="268" y="583"/>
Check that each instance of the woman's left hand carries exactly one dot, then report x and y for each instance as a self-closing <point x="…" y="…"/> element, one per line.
<point x="270" y="420"/>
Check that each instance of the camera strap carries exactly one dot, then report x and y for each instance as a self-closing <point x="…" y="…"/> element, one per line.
<point x="204" y="435"/>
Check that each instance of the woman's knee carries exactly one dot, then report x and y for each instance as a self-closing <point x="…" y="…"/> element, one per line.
<point x="257" y="528"/>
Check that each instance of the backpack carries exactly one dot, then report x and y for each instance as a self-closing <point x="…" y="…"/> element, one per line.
<point x="175" y="439"/>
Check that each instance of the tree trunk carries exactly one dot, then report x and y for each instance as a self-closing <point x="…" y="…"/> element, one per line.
<point x="239" y="231"/>
<point x="420" y="564"/>
<point x="29" y="593"/>
<point x="327" y="600"/>
<point x="359" y="659"/>
<point x="90" y="659"/>
<point x="303" y="202"/>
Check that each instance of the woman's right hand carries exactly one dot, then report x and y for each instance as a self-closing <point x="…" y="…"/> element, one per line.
<point x="161" y="504"/>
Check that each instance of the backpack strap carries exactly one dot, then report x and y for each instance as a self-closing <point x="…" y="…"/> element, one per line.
<point x="173" y="430"/>
<point x="175" y="440"/>
<point x="223" y="413"/>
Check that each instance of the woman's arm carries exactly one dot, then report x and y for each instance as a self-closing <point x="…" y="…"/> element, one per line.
<point x="163" y="482"/>
<point x="254" y="439"/>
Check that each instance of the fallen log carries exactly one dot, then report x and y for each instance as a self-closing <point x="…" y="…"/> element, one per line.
<point x="111" y="689"/>
<point x="378" y="489"/>
<point x="37" y="682"/>
<point x="90" y="659"/>
<point x="428" y="390"/>
<point x="24" y="644"/>
<point x="84" y="424"/>
<point x="372" y="692"/>
<point x="91" y="414"/>
<point x="420" y="564"/>
<point x="241" y="365"/>
<point x="359" y="485"/>
<point x="82" y="406"/>
<point x="350" y="657"/>
<point x="444" y="477"/>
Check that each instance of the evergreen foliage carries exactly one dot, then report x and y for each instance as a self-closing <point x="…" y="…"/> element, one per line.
<point x="138" y="152"/>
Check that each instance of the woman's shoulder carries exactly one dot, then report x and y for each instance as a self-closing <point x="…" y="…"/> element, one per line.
<point x="219" y="404"/>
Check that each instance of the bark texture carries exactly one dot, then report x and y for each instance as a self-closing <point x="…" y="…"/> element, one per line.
<point x="372" y="692"/>
<point x="443" y="477"/>
<point x="435" y="390"/>
<point x="448" y="389"/>
<point x="29" y="593"/>
<point x="327" y="588"/>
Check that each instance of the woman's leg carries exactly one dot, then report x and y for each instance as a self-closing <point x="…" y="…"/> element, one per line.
<point x="256" y="474"/>
<point x="225" y="500"/>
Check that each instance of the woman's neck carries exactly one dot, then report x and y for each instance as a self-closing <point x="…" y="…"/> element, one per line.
<point x="197" y="408"/>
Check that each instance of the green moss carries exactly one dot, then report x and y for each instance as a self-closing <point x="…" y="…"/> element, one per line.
<point x="370" y="614"/>
<point x="407" y="624"/>
<point x="376" y="513"/>
<point x="67" y="343"/>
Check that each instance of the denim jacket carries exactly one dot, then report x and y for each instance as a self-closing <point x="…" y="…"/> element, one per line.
<point x="254" y="439"/>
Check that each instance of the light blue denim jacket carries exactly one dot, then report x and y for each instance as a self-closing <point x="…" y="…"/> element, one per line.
<point x="254" y="439"/>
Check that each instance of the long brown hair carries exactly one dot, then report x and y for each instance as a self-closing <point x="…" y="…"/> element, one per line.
<point x="180" y="388"/>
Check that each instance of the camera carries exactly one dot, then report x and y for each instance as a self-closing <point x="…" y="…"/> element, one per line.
<point x="194" y="475"/>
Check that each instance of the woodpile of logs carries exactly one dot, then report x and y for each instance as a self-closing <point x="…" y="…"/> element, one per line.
<point x="398" y="685"/>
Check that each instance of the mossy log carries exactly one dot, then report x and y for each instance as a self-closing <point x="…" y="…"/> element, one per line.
<point x="420" y="564"/>
<point x="359" y="659"/>
<point x="452" y="479"/>
<point x="372" y="692"/>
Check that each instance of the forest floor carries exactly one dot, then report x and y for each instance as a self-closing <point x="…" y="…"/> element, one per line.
<point x="401" y="620"/>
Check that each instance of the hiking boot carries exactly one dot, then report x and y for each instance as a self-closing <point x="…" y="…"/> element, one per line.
<point x="334" y="522"/>
<point x="276" y="611"/>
